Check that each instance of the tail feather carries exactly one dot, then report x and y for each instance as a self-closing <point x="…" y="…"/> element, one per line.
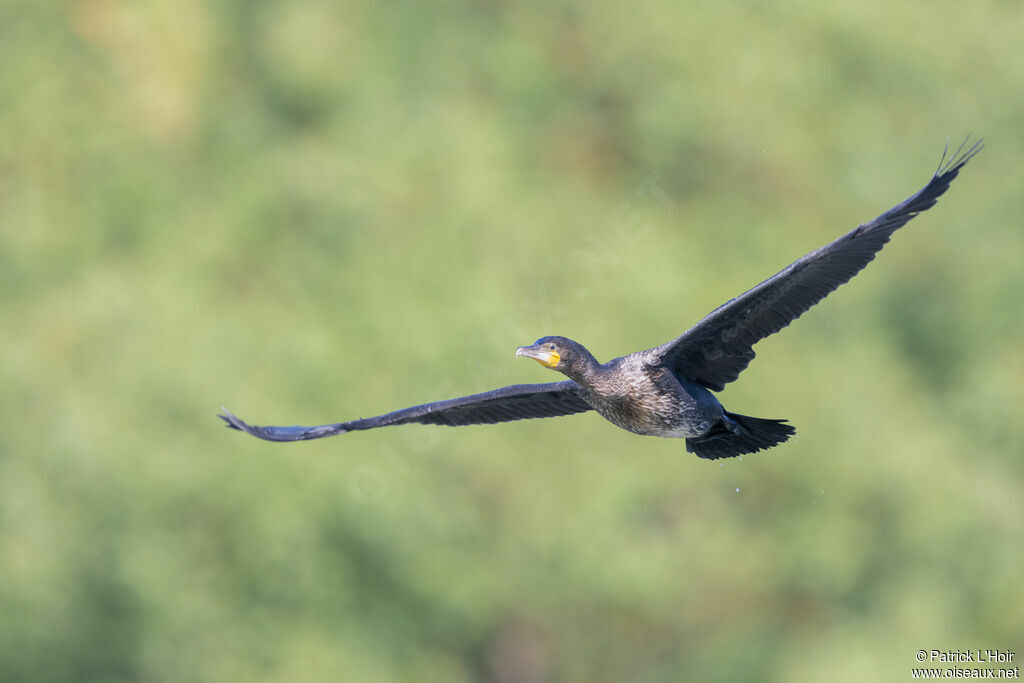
<point x="752" y="434"/>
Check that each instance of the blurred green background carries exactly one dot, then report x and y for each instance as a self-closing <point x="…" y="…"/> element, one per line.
<point x="313" y="211"/>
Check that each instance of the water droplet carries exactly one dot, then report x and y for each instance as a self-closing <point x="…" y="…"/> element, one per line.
<point x="737" y="489"/>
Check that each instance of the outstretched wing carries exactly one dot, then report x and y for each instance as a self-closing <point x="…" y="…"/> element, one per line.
<point x="516" y="402"/>
<point x="718" y="348"/>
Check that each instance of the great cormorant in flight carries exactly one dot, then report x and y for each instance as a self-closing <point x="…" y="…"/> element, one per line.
<point x="666" y="391"/>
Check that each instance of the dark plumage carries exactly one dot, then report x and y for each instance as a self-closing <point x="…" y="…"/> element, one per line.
<point x="666" y="391"/>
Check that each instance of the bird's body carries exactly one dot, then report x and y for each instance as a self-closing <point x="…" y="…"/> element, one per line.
<point x="666" y="391"/>
<point x="649" y="399"/>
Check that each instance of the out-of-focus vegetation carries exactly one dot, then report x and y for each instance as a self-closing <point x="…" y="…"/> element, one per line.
<point x="312" y="211"/>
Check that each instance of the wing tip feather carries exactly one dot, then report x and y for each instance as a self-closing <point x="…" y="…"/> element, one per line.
<point x="958" y="158"/>
<point x="279" y="434"/>
<point x="230" y="419"/>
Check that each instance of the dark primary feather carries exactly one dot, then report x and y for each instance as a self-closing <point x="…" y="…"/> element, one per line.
<point x="718" y="348"/>
<point x="516" y="402"/>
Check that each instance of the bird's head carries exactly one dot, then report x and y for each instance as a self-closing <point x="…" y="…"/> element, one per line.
<point x="558" y="353"/>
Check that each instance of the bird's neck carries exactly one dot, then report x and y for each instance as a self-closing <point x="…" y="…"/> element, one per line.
<point x="585" y="370"/>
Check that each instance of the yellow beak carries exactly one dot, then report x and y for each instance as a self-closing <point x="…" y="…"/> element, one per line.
<point x="545" y="357"/>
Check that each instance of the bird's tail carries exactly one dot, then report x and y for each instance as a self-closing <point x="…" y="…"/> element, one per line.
<point x="739" y="434"/>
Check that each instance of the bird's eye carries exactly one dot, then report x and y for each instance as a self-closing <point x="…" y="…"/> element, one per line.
<point x="551" y="346"/>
